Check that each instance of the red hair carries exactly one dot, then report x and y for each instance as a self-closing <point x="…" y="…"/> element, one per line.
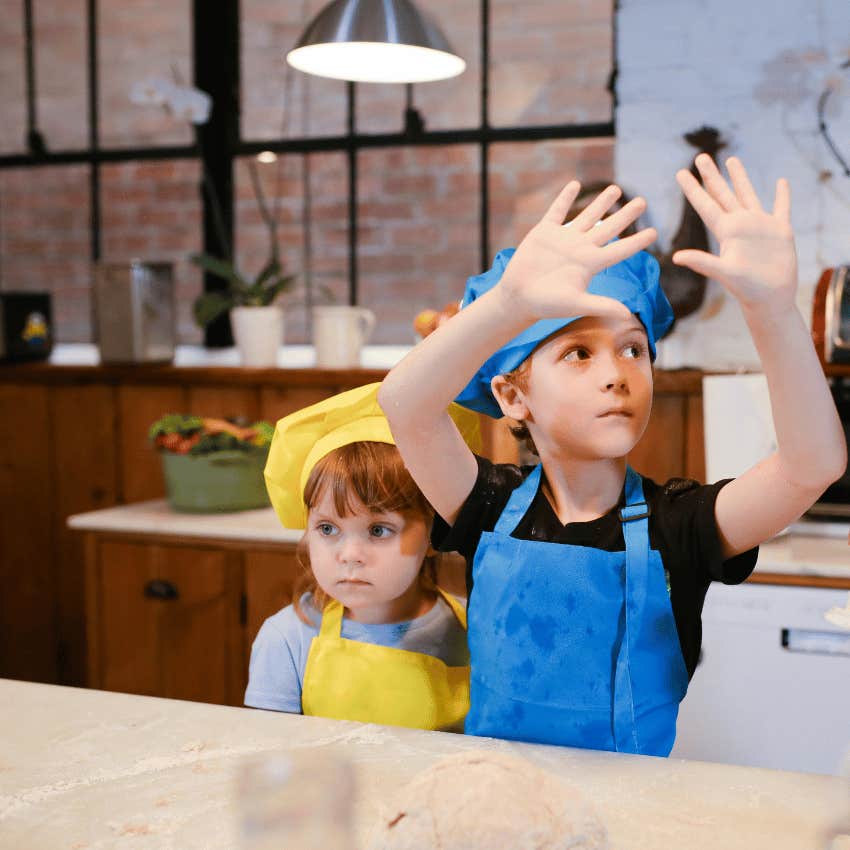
<point x="358" y="475"/>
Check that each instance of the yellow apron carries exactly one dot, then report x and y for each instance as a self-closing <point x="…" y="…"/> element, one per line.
<point x="350" y="680"/>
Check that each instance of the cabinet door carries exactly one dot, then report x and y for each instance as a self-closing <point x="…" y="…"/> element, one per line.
<point x="168" y="622"/>
<point x="28" y="571"/>
<point x="84" y="477"/>
<point x="270" y="578"/>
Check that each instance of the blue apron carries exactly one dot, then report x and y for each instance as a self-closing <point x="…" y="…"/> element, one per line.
<point x="573" y="645"/>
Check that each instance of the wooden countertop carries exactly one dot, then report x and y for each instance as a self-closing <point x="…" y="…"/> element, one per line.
<point x="87" y="769"/>
<point x="807" y="559"/>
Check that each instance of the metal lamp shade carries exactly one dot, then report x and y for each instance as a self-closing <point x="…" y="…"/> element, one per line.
<point x="375" y="41"/>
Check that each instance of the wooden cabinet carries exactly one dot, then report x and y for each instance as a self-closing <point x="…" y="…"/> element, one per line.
<point x="176" y="619"/>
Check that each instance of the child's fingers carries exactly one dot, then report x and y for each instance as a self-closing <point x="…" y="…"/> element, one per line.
<point x="743" y="188"/>
<point x="559" y="208"/>
<point x="706" y="207"/>
<point x="597" y="208"/>
<point x="617" y="222"/>
<point x="714" y="183"/>
<point x="782" y="202"/>
<point x="622" y="249"/>
<point x="599" y="305"/>
<point x="708" y="265"/>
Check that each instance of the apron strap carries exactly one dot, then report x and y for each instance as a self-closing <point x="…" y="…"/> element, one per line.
<point x="519" y="502"/>
<point x="458" y="609"/>
<point x="331" y="626"/>
<point x="635" y="519"/>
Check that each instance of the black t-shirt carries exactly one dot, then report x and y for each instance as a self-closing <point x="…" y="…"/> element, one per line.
<point x="682" y="529"/>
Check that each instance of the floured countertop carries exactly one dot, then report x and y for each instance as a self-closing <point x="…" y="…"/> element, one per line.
<point x="86" y="770"/>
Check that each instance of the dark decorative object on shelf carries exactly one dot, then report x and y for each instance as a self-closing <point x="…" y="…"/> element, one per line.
<point x="684" y="287"/>
<point x="26" y="332"/>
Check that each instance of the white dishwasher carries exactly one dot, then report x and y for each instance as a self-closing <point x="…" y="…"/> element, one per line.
<point x="772" y="688"/>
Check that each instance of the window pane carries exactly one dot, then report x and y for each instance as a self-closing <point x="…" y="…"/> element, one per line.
<point x="45" y="241"/>
<point x="418" y="232"/>
<point x="526" y="177"/>
<point x="137" y="41"/>
<point x="12" y="73"/>
<point x="312" y="237"/>
<point x="550" y="62"/>
<point x="62" y="73"/>
<point x="152" y="211"/>
<point x="277" y="100"/>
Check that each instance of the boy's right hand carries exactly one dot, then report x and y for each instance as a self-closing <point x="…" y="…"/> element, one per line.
<point x="549" y="274"/>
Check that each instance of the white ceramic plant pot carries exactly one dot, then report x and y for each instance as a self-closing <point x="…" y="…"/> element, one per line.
<point x="258" y="332"/>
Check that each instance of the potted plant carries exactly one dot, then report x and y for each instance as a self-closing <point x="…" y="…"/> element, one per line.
<point x="212" y="465"/>
<point x="257" y="321"/>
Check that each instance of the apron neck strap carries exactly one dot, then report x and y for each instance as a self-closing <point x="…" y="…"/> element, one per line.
<point x="457" y="609"/>
<point x="331" y="620"/>
<point x="331" y="626"/>
<point x="634" y="489"/>
<point x="519" y="503"/>
<point x="522" y="497"/>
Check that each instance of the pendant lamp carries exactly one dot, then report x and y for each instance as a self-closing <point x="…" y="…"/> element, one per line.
<point x="375" y="41"/>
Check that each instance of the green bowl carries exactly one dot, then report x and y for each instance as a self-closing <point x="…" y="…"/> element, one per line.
<point x="218" y="482"/>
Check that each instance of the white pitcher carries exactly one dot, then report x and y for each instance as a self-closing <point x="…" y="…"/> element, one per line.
<point x="339" y="333"/>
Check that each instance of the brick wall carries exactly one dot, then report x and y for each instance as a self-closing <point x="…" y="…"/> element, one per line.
<point x="152" y="210"/>
<point x="418" y="214"/>
<point x="45" y="240"/>
<point x="755" y="71"/>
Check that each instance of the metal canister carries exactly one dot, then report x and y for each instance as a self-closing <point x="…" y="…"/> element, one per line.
<point x="135" y="311"/>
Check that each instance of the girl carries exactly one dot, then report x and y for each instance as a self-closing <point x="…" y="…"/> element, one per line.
<point x="574" y="637"/>
<point x="370" y="637"/>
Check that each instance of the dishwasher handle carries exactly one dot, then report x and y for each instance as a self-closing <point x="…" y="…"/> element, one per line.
<point x="816" y="642"/>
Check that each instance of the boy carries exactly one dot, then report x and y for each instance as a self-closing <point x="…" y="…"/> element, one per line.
<point x="574" y="637"/>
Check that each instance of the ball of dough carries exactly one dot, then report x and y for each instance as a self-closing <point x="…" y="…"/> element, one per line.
<point x="482" y="800"/>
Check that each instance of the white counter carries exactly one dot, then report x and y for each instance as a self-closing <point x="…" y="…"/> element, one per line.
<point x="156" y="517"/>
<point x="197" y="356"/>
<point x="791" y="554"/>
<point x="91" y="770"/>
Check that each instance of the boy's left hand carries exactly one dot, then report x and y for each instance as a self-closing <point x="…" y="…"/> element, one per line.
<point x="756" y="259"/>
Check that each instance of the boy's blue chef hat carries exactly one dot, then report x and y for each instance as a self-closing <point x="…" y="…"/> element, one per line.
<point x="632" y="282"/>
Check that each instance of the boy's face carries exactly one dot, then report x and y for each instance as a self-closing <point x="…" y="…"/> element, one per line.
<point x="589" y="389"/>
<point x="368" y="561"/>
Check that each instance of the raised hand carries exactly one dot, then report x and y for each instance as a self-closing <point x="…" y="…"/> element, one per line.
<point x="549" y="274"/>
<point x="756" y="259"/>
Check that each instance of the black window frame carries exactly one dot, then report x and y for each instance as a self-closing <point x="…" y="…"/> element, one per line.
<point x="216" y="55"/>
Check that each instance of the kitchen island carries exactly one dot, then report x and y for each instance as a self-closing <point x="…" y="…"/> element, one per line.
<point x="88" y="770"/>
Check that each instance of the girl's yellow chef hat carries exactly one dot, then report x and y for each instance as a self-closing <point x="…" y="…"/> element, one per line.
<point x="304" y="437"/>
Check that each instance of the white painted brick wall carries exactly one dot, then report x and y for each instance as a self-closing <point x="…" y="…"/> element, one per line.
<point x="754" y="69"/>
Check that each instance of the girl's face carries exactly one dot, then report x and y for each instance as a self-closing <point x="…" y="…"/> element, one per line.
<point x="369" y="562"/>
<point x="589" y="389"/>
